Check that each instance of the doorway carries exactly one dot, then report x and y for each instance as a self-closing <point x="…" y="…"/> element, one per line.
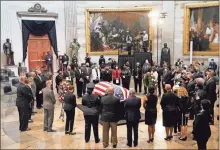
<point x="38" y="46"/>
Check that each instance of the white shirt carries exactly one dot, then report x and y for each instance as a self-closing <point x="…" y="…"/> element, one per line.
<point x="155" y="74"/>
<point x="145" y="37"/>
<point x="94" y="74"/>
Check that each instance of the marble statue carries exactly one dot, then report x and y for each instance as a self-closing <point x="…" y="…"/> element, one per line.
<point x="75" y="46"/>
<point x="165" y="55"/>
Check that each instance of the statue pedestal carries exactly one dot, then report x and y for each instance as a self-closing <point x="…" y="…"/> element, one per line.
<point x="13" y="68"/>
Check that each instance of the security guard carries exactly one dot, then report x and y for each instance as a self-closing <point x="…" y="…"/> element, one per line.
<point x="74" y="62"/>
<point x="126" y="77"/>
<point x="137" y="73"/>
<point x="91" y="104"/>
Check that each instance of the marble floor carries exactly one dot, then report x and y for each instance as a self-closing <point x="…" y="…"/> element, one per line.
<point x="11" y="138"/>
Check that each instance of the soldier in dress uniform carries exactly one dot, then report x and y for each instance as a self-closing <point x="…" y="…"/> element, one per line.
<point x="126" y="77"/>
<point x="88" y="59"/>
<point x="102" y="61"/>
<point x="165" y="55"/>
<point x="137" y="73"/>
<point x="49" y="61"/>
<point x="91" y="105"/>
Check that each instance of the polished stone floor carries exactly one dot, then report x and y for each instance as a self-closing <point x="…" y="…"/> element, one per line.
<point x="11" y="138"/>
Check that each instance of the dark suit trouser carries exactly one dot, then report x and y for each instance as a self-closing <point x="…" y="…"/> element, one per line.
<point x="94" y="122"/>
<point x="79" y="88"/>
<point x="50" y="68"/>
<point x="134" y="126"/>
<point x="106" y="127"/>
<point x="48" y="118"/>
<point x="84" y="87"/>
<point x="23" y="117"/>
<point x="39" y="99"/>
<point x="70" y="115"/>
<point x="202" y="144"/>
<point x="138" y="82"/>
<point x="126" y="84"/>
<point x="159" y="87"/>
<point x="29" y="113"/>
<point x="212" y="109"/>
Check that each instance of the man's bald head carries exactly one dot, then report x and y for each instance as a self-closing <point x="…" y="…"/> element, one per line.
<point x="32" y="74"/>
<point x="23" y="79"/>
<point x="168" y="87"/>
<point x="110" y="90"/>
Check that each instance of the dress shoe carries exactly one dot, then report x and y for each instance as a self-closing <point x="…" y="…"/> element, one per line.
<point x="129" y="145"/>
<point x="170" y="137"/>
<point x="167" y="138"/>
<point x="72" y="133"/>
<point x="66" y="132"/>
<point x="148" y="141"/>
<point x="152" y="140"/>
<point x="104" y="146"/>
<point x="97" y="141"/>
<point x="183" y="139"/>
<point x="114" y="146"/>
<point x="135" y="145"/>
<point x="87" y="141"/>
<point x="51" y="130"/>
<point x="211" y="123"/>
<point x="30" y="121"/>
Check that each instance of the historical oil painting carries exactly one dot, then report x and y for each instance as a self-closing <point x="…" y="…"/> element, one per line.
<point x="202" y="28"/>
<point x="110" y="30"/>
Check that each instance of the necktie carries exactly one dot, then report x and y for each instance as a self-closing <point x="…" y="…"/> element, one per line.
<point x="96" y="73"/>
<point x="116" y="74"/>
<point x="39" y="77"/>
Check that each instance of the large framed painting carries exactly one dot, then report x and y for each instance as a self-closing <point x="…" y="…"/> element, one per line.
<point x="109" y="30"/>
<point x="201" y="26"/>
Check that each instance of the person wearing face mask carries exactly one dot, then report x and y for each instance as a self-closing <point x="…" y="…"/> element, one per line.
<point x="167" y="78"/>
<point x="58" y="79"/>
<point x="87" y="76"/>
<point x="102" y="61"/>
<point x="91" y="105"/>
<point x="107" y="74"/>
<point x="39" y="86"/>
<point x="95" y="75"/>
<point x="201" y="129"/>
<point x="125" y="77"/>
<point x="137" y="73"/>
<point x="116" y="73"/>
<point x="68" y="74"/>
<point x="79" y="81"/>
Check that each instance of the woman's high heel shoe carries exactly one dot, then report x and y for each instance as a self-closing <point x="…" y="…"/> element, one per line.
<point x="152" y="140"/>
<point x="183" y="139"/>
<point x="148" y="141"/>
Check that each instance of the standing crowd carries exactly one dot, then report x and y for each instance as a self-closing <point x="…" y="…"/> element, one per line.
<point x="188" y="93"/>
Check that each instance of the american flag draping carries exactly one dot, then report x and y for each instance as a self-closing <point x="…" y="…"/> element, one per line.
<point x="101" y="88"/>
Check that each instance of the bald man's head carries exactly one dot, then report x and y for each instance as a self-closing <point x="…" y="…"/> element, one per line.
<point x="168" y="87"/>
<point x="32" y="74"/>
<point x="110" y="90"/>
<point x="23" y="79"/>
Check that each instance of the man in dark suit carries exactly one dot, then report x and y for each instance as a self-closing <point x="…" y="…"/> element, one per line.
<point x="49" y="61"/>
<point x="167" y="78"/>
<point x="68" y="74"/>
<point x="87" y="76"/>
<point x="65" y="61"/>
<point x="39" y="83"/>
<point x="91" y="105"/>
<point x="201" y="129"/>
<point x="23" y="102"/>
<point x="48" y="105"/>
<point x="211" y="93"/>
<point x="109" y="115"/>
<point x="132" y="115"/>
<point x="79" y="81"/>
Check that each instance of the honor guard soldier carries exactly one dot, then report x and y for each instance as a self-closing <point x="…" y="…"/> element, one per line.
<point x="74" y="62"/>
<point x="91" y="105"/>
<point x="137" y="73"/>
<point x="102" y="61"/>
<point x="126" y="77"/>
<point x="88" y="59"/>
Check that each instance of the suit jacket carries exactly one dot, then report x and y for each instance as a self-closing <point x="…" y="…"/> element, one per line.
<point x="109" y="108"/>
<point x="87" y="73"/>
<point x="190" y="87"/>
<point x="169" y="102"/>
<point x="33" y="87"/>
<point x="65" y="58"/>
<point x="201" y="128"/>
<point x="67" y="74"/>
<point x="211" y="89"/>
<point x="39" y="84"/>
<point x="132" y="109"/>
<point x="48" y="98"/>
<point x="107" y="75"/>
<point x="79" y="75"/>
<point x="167" y="77"/>
<point x="116" y="74"/>
<point x="94" y="74"/>
<point x="58" y="79"/>
<point x="91" y="104"/>
<point x="24" y="95"/>
<point x="69" y="101"/>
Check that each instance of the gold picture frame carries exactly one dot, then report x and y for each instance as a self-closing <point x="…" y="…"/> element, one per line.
<point x="88" y="11"/>
<point x="186" y="38"/>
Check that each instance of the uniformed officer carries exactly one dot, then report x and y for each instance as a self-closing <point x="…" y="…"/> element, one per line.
<point x="107" y="74"/>
<point x="137" y="73"/>
<point x="125" y="77"/>
<point x="102" y="61"/>
<point x="91" y="105"/>
<point x="74" y="62"/>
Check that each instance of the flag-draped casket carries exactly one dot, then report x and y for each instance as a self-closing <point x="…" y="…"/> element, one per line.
<point x="100" y="89"/>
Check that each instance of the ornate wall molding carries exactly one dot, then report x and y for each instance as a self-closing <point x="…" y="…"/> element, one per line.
<point x="37" y="11"/>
